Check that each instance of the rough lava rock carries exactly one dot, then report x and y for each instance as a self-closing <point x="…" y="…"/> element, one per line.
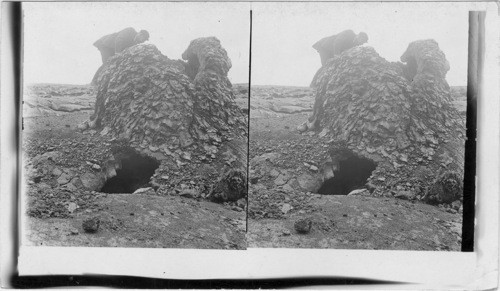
<point x="398" y="115"/>
<point x="231" y="187"/>
<point x="446" y="188"/>
<point x="331" y="46"/>
<point x="303" y="225"/>
<point x="181" y="113"/>
<point x="91" y="225"/>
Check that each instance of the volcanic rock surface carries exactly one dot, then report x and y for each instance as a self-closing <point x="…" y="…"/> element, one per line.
<point x="55" y="151"/>
<point x="148" y="113"/>
<point x="359" y="107"/>
<point x="48" y="99"/>
<point x="400" y="116"/>
<point x="183" y="114"/>
<point x="286" y="171"/>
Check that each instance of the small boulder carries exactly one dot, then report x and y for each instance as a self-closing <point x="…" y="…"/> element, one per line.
<point x="302" y="127"/>
<point x="303" y="225"/>
<point x="456" y="205"/>
<point x="359" y="192"/>
<point x="64" y="178"/>
<point x="445" y="189"/>
<point x="405" y="195"/>
<point x="231" y="186"/>
<point x="281" y="180"/>
<point x="56" y="172"/>
<point x="110" y="171"/>
<point x="83" y="126"/>
<point x="328" y="173"/>
<point x="73" y="231"/>
<point x="74" y="184"/>
<point x="91" y="181"/>
<point x="143" y="190"/>
<point x="254" y="179"/>
<point x="105" y="131"/>
<point x="288" y="188"/>
<point x="274" y="173"/>
<point x="242" y="203"/>
<point x="91" y="225"/>
<point x="309" y="182"/>
<point x="72" y="206"/>
<point x="189" y="193"/>
<point x="286" y="208"/>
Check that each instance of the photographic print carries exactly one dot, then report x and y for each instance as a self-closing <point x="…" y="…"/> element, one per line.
<point x="135" y="124"/>
<point x="326" y="143"/>
<point x="357" y="126"/>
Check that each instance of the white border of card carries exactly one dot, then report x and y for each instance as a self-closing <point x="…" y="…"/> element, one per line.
<point x="420" y="270"/>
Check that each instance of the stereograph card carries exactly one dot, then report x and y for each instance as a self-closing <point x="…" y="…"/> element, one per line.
<point x="253" y="140"/>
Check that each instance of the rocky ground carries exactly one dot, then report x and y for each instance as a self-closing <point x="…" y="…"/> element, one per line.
<point x="283" y="176"/>
<point x="62" y="165"/>
<point x="283" y="168"/>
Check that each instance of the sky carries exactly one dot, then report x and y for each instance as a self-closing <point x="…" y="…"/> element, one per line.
<point x="283" y="35"/>
<point x="59" y="37"/>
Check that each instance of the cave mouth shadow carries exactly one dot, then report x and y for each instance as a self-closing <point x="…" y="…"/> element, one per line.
<point x="352" y="174"/>
<point x="135" y="172"/>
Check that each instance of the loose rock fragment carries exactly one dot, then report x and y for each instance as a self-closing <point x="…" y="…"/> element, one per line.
<point x="230" y="187"/>
<point x="242" y="203"/>
<point x="91" y="225"/>
<point x="189" y="193"/>
<point x="446" y="188"/>
<point x="143" y="190"/>
<point x="72" y="207"/>
<point x="64" y="178"/>
<point x="74" y="231"/>
<point x="359" y="192"/>
<point x="405" y="195"/>
<point x="303" y="225"/>
<point x="286" y="208"/>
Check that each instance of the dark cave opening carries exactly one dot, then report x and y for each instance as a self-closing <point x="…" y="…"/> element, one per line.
<point x="135" y="172"/>
<point x="352" y="174"/>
